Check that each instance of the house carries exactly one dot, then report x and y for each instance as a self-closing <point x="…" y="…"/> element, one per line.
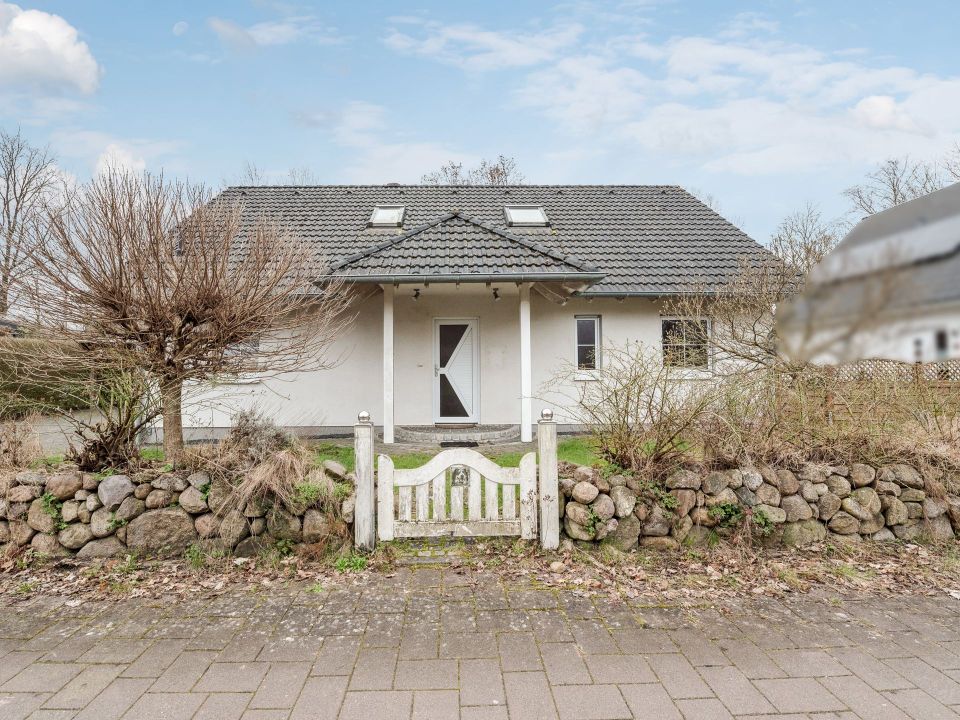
<point x="470" y="298"/>
<point x="889" y="290"/>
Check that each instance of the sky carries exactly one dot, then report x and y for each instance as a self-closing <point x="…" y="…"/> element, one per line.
<point x="763" y="105"/>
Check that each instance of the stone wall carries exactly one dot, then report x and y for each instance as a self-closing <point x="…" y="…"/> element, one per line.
<point x="151" y="513"/>
<point x="795" y="506"/>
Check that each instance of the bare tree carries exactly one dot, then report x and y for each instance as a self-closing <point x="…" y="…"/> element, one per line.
<point x="951" y="163"/>
<point x="253" y="174"/>
<point x="183" y="287"/>
<point x="895" y="181"/>
<point x="804" y="238"/>
<point x="502" y="171"/>
<point x="27" y="177"/>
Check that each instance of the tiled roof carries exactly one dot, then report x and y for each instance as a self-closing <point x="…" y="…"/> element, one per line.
<point x="454" y="245"/>
<point x="646" y="239"/>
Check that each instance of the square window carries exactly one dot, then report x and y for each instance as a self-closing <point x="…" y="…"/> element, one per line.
<point x="525" y="215"/>
<point x="387" y="216"/>
<point x="686" y="343"/>
<point x="588" y="342"/>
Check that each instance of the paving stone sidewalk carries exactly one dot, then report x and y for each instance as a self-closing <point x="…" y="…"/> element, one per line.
<point x="432" y="643"/>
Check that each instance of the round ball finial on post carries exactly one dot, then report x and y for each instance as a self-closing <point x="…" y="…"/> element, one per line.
<point x="546" y="414"/>
<point x="363" y="416"/>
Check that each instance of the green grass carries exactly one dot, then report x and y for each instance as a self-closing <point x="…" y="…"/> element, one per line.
<point x="152" y="454"/>
<point x="343" y="454"/>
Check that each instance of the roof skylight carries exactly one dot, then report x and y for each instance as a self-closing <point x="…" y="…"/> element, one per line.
<point x="387" y="216"/>
<point x="525" y="215"/>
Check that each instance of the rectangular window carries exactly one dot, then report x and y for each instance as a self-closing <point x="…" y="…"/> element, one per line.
<point x="686" y="343"/>
<point x="588" y="342"/>
<point x="387" y="216"/>
<point x="528" y="215"/>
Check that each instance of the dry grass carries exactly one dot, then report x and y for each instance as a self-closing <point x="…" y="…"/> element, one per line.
<point x="19" y="444"/>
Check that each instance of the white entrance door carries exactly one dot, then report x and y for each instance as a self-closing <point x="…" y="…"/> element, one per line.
<point x="456" y="371"/>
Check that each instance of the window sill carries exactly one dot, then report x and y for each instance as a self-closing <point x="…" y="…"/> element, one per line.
<point x="586" y="376"/>
<point x="691" y="373"/>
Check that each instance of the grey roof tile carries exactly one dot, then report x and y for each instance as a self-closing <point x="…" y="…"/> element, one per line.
<point x="645" y="238"/>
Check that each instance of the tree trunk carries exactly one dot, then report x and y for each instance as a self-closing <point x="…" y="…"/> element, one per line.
<point x="171" y="397"/>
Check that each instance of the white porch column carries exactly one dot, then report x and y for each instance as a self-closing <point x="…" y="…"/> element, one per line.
<point x="388" y="363"/>
<point x="526" y="367"/>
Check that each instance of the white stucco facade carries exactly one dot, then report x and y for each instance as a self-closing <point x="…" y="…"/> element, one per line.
<point x="329" y="400"/>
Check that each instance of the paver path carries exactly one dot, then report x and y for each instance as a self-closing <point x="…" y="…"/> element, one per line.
<point x="431" y="643"/>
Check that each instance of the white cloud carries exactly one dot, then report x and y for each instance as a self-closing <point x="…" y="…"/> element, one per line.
<point x="302" y="28"/>
<point x="42" y="53"/>
<point x="119" y="157"/>
<point x="180" y="28"/>
<point x="475" y="49"/>
<point x="103" y="151"/>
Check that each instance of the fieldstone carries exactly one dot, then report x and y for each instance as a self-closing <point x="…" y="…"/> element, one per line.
<point x="101" y="523"/>
<point x="734" y="479"/>
<point x="701" y="516"/>
<point x="663" y="544"/>
<point x="774" y="514"/>
<point x="843" y="523"/>
<point x="24" y="493"/>
<point x="199" y="480"/>
<point x="605" y="528"/>
<point x="752" y="479"/>
<point x="578" y="513"/>
<point x="170" y="482"/>
<point x="103" y="548"/>
<point x="81" y="495"/>
<point x="896" y="512"/>
<point x="872" y="524"/>
<point x="219" y="495"/>
<point x="4" y="506"/>
<point x="283" y="525"/>
<point x="796" y="508"/>
<point x="909" y="531"/>
<point x="913" y="495"/>
<point x="686" y="501"/>
<point x="207" y="526"/>
<point x="657" y="523"/>
<point x="907" y="476"/>
<point x="84" y="514"/>
<point x="335" y="468"/>
<point x="585" y="492"/>
<point x="69" y="511"/>
<point x="617" y="481"/>
<point x="838" y="485"/>
<point x="256" y="507"/>
<point x="699" y="536"/>
<point x="601" y="483"/>
<point x="805" y="532"/>
<point x="840" y="470"/>
<point x="89" y="482"/>
<point x="808" y="491"/>
<point x="31" y="477"/>
<point x="47" y="545"/>
<point x="253" y="546"/>
<point x="863" y="503"/>
<point x="715" y="482"/>
<point x="939" y="528"/>
<point x="862" y="475"/>
<point x="75" y="536"/>
<point x="811" y="472"/>
<point x="234" y="528"/>
<point x="883" y="535"/>
<point x="114" y="490"/>
<point x="158" y="499"/>
<point x="258" y="525"/>
<point x="821" y="489"/>
<point x="576" y="530"/>
<point x="933" y="508"/>
<point x="164" y="532"/>
<point x="583" y="474"/>
<point x="93" y="503"/>
<point x="142" y="491"/>
<point x="789" y="484"/>
<point x="348" y="509"/>
<point x="20" y="532"/>
<point x="768" y="495"/>
<point x="627" y="534"/>
<point x="603" y="507"/>
<point x="623" y="500"/>
<point x="684" y="479"/>
<point x="953" y="509"/>
<point x="40" y="520"/>
<point x="681" y="528"/>
<point x="724" y="497"/>
<point x="192" y="501"/>
<point x="17" y="511"/>
<point x="64" y="485"/>
<point x="640" y="511"/>
<point x="567" y="485"/>
<point x="316" y="526"/>
<point x="121" y="534"/>
<point x="914" y="510"/>
<point x="561" y="504"/>
<point x="4" y="532"/>
<point x="770" y="476"/>
<point x="129" y="509"/>
<point x="888" y="488"/>
<point x="746" y="496"/>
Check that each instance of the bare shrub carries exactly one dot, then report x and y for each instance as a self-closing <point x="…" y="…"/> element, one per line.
<point x="19" y="445"/>
<point x="640" y="412"/>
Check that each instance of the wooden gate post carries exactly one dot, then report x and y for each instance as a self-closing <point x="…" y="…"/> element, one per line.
<point x="549" y="483"/>
<point x="364" y="525"/>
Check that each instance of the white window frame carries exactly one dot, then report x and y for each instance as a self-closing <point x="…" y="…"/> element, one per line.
<point x="708" y="368"/>
<point x="372" y="222"/>
<point x="587" y="373"/>
<point x="512" y="223"/>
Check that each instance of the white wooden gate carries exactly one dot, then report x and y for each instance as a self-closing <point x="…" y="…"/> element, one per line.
<point x="459" y="492"/>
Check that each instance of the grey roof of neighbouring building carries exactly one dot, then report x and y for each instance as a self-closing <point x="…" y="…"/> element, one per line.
<point x="643" y="239"/>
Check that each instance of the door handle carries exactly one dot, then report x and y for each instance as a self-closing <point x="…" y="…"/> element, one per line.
<point x="436" y="370"/>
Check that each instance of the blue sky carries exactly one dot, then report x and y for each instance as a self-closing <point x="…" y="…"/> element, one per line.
<point x="763" y="105"/>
